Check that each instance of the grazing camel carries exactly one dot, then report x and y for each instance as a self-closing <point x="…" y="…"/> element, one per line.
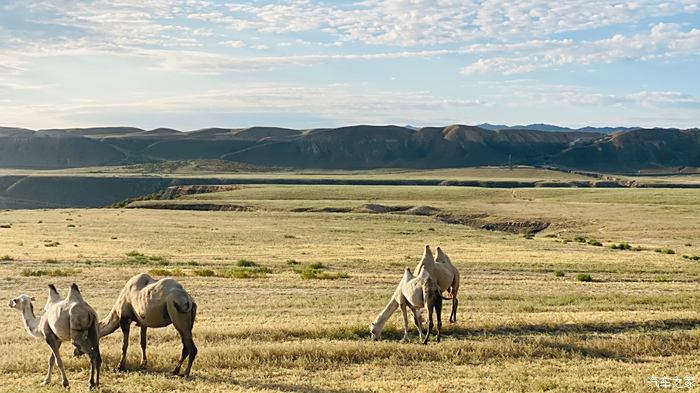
<point x="377" y="326"/>
<point x="153" y="303"/>
<point x="446" y="275"/>
<point x="69" y="319"/>
<point x="414" y="293"/>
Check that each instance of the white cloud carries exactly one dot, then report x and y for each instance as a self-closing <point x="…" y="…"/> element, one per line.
<point x="662" y="41"/>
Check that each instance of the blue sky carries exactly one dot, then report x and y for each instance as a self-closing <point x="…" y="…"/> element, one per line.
<point x="190" y="64"/>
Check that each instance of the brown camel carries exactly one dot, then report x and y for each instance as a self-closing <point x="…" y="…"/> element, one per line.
<point x="70" y="319"/>
<point x="446" y="275"/>
<point x="153" y="303"/>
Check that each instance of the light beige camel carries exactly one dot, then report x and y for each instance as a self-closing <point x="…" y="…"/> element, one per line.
<point x="414" y="293"/>
<point x="70" y="319"/>
<point x="446" y="275"/>
<point x="377" y="326"/>
<point x="153" y="303"/>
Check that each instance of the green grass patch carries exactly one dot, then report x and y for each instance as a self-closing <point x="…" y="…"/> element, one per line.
<point x="6" y="258"/>
<point x="252" y="272"/>
<point x="559" y="273"/>
<point x="621" y="246"/>
<point x="584" y="277"/>
<point x="293" y="262"/>
<point x="245" y="263"/>
<point x="167" y="272"/>
<point x="49" y="272"/>
<point x="594" y="242"/>
<point x="204" y="272"/>
<point x="665" y="251"/>
<point x="137" y="258"/>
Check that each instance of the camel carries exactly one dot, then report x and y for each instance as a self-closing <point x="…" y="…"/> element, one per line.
<point x="414" y="293"/>
<point x="69" y="319"/>
<point x="446" y="275"/>
<point x="396" y="301"/>
<point x="153" y="303"/>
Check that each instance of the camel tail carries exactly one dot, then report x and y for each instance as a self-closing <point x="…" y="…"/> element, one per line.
<point x="194" y="315"/>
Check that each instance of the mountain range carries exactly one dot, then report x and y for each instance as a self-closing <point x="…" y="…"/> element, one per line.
<point x="607" y="149"/>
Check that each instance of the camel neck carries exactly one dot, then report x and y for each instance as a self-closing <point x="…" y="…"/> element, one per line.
<point x="385" y="314"/>
<point x="109" y="324"/>
<point x="31" y="322"/>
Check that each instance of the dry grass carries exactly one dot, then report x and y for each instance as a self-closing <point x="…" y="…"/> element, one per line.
<point x="521" y="327"/>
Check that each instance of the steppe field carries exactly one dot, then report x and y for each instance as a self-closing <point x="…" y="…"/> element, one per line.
<point x="288" y="285"/>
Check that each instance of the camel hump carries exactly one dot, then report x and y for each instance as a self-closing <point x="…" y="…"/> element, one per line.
<point x="74" y="293"/>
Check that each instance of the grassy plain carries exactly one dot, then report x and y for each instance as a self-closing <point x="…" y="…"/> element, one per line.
<point x="521" y="326"/>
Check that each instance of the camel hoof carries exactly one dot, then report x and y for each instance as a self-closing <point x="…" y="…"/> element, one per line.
<point x="45" y="383"/>
<point x="66" y="385"/>
<point x="93" y="386"/>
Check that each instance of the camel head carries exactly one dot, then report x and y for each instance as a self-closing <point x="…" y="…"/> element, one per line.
<point x="21" y="303"/>
<point x="375" y="331"/>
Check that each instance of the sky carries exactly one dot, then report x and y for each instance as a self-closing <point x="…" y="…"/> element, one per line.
<point x="190" y="64"/>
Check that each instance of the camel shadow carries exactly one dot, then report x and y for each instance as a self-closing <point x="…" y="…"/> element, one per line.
<point x="556" y="329"/>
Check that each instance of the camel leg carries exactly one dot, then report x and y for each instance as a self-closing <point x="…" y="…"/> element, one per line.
<point x="453" y="314"/>
<point x="125" y="325"/>
<point x="52" y="360"/>
<point x="430" y="324"/>
<point x="184" y="322"/>
<point x="405" y="320"/>
<point x="89" y="344"/>
<point x="55" y="345"/>
<point x="416" y="320"/>
<point x="438" y="314"/>
<point x="144" y="360"/>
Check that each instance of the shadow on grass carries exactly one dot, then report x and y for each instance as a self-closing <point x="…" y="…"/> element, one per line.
<point x="361" y="332"/>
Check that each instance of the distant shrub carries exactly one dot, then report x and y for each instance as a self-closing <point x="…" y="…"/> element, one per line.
<point x="550" y="235"/>
<point x="245" y="263"/>
<point x="137" y="258"/>
<point x="167" y="272"/>
<point x="315" y="271"/>
<point x="584" y="277"/>
<point x="193" y="263"/>
<point x="559" y="273"/>
<point x="665" y="251"/>
<point x="317" y="274"/>
<point x="6" y="258"/>
<point x="692" y="258"/>
<point x="51" y="261"/>
<point x="528" y="236"/>
<point x="688" y="244"/>
<point x="50" y="272"/>
<point x="621" y="246"/>
<point x="290" y="237"/>
<point x="317" y="266"/>
<point x="594" y="242"/>
<point x="292" y="262"/>
<point x="253" y="272"/>
<point x="51" y="244"/>
<point x="580" y="239"/>
<point x="5" y="226"/>
<point x="204" y="272"/>
<point x="70" y="225"/>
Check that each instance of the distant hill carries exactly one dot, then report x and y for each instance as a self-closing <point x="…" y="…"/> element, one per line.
<point x="553" y="128"/>
<point x="358" y="147"/>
